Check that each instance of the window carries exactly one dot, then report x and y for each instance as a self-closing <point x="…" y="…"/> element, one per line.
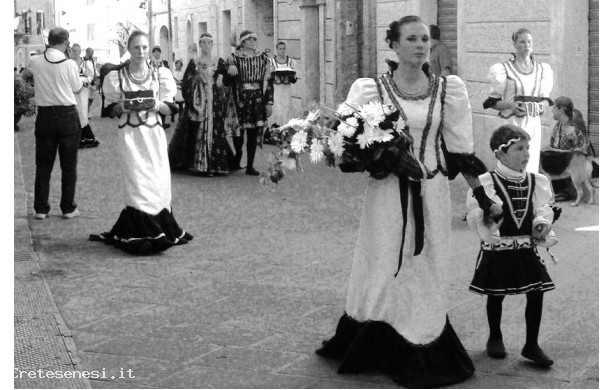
<point x="40" y="22"/>
<point x="91" y="32"/>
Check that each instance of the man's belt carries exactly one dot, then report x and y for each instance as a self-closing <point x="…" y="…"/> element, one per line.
<point x="509" y="244"/>
<point x="251" y="86"/>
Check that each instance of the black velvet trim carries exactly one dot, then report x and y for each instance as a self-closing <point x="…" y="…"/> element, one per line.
<point x="107" y="112"/>
<point x="490" y="102"/>
<point x="173" y="108"/>
<point x="465" y="163"/>
<point x="137" y="232"/>
<point x="376" y="345"/>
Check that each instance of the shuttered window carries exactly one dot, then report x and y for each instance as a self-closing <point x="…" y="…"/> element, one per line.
<point x="447" y="22"/>
<point x="593" y="115"/>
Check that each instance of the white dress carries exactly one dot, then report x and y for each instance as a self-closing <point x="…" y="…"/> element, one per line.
<point x="282" y="110"/>
<point x="508" y="82"/>
<point x="411" y="306"/>
<point x="86" y="73"/>
<point x="145" y="173"/>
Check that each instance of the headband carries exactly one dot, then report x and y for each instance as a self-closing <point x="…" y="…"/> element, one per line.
<point x="247" y="36"/>
<point x="508" y="144"/>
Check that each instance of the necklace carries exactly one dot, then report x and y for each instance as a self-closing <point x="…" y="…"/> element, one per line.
<point x="136" y="79"/>
<point x="415" y="92"/>
<point x="522" y="69"/>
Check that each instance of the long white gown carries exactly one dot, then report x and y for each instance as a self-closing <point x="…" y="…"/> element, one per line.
<point x="145" y="172"/>
<point x="507" y="82"/>
<point x="403" y="320"/>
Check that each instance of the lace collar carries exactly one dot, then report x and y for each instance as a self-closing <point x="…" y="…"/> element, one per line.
<point x="509" y="173"/>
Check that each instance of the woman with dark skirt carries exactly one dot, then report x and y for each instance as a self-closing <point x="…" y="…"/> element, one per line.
<point x="136" y="94"/>
<point x="395" y="316"/>
<point x="199" y="143"/>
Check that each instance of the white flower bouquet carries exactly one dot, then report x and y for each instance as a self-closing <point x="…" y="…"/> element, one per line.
<point x="361" y="138"/>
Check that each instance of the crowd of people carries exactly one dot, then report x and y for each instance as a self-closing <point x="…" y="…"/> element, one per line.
<point x="395" y="317"/>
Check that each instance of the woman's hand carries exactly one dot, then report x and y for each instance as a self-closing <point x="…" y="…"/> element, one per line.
<point x="232" y="70"/>
<point x="220" y="81"/>
<point x="162" y="107"/>
<point x="518" y="109"/>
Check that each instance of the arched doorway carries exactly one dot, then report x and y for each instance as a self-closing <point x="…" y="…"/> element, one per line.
<point x="164" y="43"/>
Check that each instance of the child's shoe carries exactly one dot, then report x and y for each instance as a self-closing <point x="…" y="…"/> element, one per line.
<point x="496" y="348"/>
<point x="536" y="355"/>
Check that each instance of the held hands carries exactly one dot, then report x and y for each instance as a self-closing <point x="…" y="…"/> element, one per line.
<point x="232" y="70"/>
<point x="492" y="211"/>
<point x="220" y="81"/>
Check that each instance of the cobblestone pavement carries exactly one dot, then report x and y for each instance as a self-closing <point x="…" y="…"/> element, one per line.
<point x="246" y="303"/>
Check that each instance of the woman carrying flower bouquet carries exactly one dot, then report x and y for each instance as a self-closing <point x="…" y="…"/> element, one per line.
<point x="136" y="94"/>
<point x="396" y="313"/>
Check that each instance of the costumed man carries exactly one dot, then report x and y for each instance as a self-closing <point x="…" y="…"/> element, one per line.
<point x="254" y="94"/>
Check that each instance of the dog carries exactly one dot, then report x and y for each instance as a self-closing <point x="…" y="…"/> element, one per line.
<point x="578" y="166"/>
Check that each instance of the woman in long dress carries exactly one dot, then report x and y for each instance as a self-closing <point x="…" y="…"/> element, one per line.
<point x="87" y="73"/>
<point x="519" y="89"/>
<point x="178" y="74"/>
<point x="396" y="311"/>
<point x="199" y="143"/>
<point x="146" y="224"/>
<point x="283" y="68"/>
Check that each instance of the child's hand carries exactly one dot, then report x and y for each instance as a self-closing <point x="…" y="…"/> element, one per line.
<point x="541" y="230"/>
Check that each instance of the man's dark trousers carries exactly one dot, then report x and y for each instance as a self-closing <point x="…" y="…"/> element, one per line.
<point x="57" y="129"/>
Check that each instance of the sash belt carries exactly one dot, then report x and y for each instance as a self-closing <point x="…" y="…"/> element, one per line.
<point x="419" y="221"/>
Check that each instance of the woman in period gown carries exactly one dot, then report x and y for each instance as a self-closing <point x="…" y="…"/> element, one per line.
<point x="396" y="311"/>
<point x="519" y="89"/>
<point x="146" y="224"/>
<point x="199" y="143"/>
<point x="283" y="69"/>
<point x="87" y="73"/>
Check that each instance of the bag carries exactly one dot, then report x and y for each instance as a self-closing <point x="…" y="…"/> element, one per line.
<point x="139" y="100"/>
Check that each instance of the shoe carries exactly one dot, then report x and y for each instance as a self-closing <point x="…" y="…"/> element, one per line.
<point x="41" y="216"/>
<point x="496" y="348"/>
<point x="71" y="215"/>
<point x="187" y="236"/>
<point x="537" y="356"/>
<point x="252" y="172"/>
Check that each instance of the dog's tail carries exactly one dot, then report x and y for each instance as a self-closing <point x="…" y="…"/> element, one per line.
<point x="593" y="160"/>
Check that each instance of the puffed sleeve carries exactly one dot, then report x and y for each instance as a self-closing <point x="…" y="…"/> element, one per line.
<point x="362" y="91"/>
<point x="547" y="81"/>
<point x="497" y="78"/>
<point x="112" y="93"/>
<point x="457" y="137"/>
<point x="167" y="86"/>
<point x="457" y="121"/>
<point x="111" y="89"/>
<point x="475" y="217"/>
<point x="544" y="215"/>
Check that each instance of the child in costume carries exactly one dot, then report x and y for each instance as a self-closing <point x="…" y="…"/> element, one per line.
<point x="508" y="262"/>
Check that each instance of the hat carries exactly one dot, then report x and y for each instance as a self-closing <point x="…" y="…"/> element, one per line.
<point x="506" y="135"/>
<point x="156" y="47"/>
<point x="246" y="34"/>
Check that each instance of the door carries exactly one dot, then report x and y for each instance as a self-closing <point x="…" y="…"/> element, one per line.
<point x="447" y="22"/>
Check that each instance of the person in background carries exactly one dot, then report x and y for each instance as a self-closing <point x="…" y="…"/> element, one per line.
<point x="199" y="143"/>
<point x="146" y="223"/>
<point x="157" y="61"/>
<point x="57" y="127"/>
<point x="440" y="57"/>
<point x="519" y="88"/>
<point x="254" y="94"/>
<point x="95" y="86"/>
<point x="87" y="73"/>
<point x="283" y="69"/>
<point x="178" y="73"/>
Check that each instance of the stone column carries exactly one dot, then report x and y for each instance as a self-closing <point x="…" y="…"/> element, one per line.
<point x="310" y="51"/>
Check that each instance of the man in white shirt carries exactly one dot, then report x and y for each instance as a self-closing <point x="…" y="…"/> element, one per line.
<point x="57" y="127"/>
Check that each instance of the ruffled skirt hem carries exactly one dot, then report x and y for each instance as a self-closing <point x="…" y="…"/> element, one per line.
<point x="137" y="232"/>
<point x="377" y="345"/>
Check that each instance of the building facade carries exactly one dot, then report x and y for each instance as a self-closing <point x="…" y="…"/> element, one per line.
<point x="32" y="21"/>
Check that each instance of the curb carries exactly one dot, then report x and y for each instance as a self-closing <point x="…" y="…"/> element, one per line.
<point x="45" y="355"/>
